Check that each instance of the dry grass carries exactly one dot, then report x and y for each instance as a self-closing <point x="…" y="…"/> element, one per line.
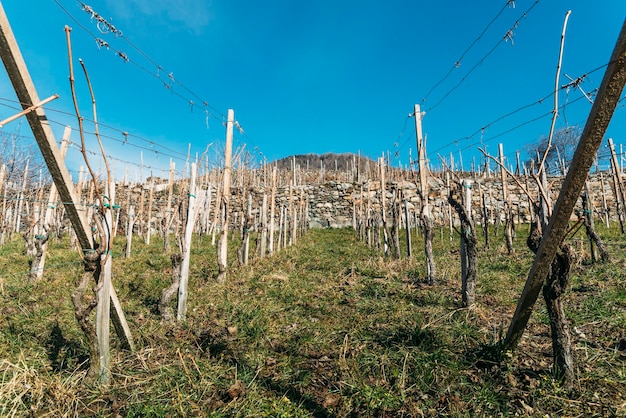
<point x="325" y="328"/>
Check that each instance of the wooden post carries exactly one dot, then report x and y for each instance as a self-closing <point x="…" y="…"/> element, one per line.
<point x="601" y="113"/>
<point x="485" y="216"/>
<point x="383" y="204"/>
<point x="605" y="207"/>
<point x="618" y="187"/>
<point x="508" y="215"/>
<point x="149" y="214"/>
<point x="103" y="310"/>
<point x="216" y="211"/>
<point x="264" y="226"/>
<point x="3" y="214"/>
<point x="292" y="214"/>
<point x="407" y="225"/>
<point x="20" y="200"/>
<point x="589" y="221"/>
<point x="222" y="248"/>
<point x="246" y="234"/>
<point x="431" y="270"/>
<point x="168" y="215"/>
<point x="130" y="224"/>
<point x="280" y="229"/>
<point x="184" y="267"/>
<point x="39" y="262"/>
<point x="294" y="221"/>
<point x="272" y="210"/>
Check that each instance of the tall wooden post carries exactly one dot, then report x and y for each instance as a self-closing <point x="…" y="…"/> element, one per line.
<point x="431" y="270"/>
<point x="222" y="246"/>
<point x="184" y="266"/>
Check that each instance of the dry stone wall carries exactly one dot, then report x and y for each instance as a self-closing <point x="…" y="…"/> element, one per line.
<point x="334" y="203"/>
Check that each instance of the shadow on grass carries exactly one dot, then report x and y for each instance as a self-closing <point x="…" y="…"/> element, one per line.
<point x="218" y="344"/>
<point x="424" y="339"/>
<point x="65" y="354"/>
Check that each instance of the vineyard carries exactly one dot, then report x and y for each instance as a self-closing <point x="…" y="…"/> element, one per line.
<point x="310" y="320"/>
<point x="314" y="285"/>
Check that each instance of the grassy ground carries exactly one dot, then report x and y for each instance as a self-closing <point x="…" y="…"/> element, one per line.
<point x="324" y="328"/>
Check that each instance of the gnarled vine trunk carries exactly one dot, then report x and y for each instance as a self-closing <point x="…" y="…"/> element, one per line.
<point x="553" y="290"/>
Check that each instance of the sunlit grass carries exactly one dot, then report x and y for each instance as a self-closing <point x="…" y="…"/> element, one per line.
<point x="328" y="327"/>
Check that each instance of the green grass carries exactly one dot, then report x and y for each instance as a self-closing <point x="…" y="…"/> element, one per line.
<point x="327" y="327"/>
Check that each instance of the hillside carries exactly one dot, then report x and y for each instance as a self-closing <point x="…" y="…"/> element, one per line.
<point x="325" y="328"/>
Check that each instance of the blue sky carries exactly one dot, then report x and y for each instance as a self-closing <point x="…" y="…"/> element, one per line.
<point x="319" y="76"/>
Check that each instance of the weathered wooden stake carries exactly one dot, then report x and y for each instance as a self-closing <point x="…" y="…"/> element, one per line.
<point x="508" y="215"/>
<point x="618" y="188"/>
<point x="168" y="215"/>
<point x="103" y="310"/>
<point x="184" y="268"/>
<point x="431" y="270"/>
<point x="272" y="212"/>
<point x="264" y="226"/>
<point x="222" y="247"/>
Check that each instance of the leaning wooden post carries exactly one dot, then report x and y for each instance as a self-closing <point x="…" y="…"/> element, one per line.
<point x="222" y="246"/>
<point x="184" y="267"/>
<point x="26" y="94"/>
<point x="431" y="270"/>
<point x="601" y="113"/>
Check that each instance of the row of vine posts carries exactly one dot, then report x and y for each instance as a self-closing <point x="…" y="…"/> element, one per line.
<point x="550" y="224"/>
<point x="206" y="205"/>
<point x="95" y="215"/>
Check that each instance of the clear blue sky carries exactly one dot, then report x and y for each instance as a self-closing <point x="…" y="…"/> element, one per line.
<point x="314" y="77"/>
